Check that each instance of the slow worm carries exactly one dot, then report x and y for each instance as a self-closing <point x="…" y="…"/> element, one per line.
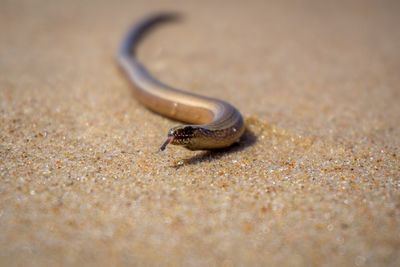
<point x="213" y="123"/>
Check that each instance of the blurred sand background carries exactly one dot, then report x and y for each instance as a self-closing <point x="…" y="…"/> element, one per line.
<point x="314" y="183"/>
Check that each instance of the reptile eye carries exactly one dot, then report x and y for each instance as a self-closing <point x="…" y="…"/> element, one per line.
<point x="188" y="130"/>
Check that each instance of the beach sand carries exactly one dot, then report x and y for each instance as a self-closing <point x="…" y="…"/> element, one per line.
<point x="314" y="182"/>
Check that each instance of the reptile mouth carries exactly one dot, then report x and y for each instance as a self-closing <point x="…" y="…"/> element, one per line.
<point x="181" y="139"/>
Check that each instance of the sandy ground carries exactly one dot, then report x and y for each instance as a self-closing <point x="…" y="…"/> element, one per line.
<point x="315" y="182"/>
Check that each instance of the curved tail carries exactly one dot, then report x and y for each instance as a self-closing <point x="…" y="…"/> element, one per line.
<point x="136" y="33"/>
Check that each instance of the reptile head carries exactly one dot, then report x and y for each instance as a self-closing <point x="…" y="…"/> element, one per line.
<point x="181" y="135"/>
